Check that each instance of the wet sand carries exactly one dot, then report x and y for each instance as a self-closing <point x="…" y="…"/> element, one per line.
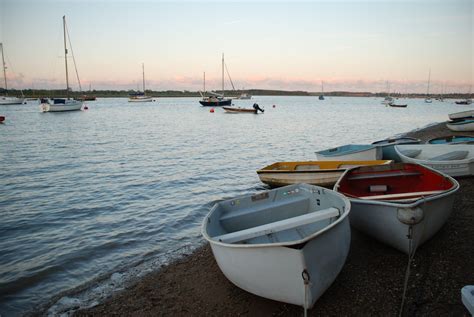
<point x="370" y="283"/>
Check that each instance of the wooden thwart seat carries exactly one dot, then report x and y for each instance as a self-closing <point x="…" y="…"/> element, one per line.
<point x="278" y="226"/>
<point x="401" y="195"/>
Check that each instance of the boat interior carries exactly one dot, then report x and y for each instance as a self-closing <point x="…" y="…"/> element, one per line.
<point x="449" y="156"/>
<point x="401" y="182"/>
<point x="317" y="165"/>
<point x="277" y="216"/>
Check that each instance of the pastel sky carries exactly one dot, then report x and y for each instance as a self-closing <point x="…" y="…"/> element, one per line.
<point x="351" y="45"/>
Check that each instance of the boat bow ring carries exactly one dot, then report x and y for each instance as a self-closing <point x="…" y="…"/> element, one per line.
<point x="410" y="216"/>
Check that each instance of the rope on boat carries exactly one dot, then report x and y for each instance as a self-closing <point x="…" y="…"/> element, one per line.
<point x="411" y="254"/>
<point x="306" y="281"/>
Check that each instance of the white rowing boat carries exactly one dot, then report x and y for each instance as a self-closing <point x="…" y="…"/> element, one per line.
<point x="451" y="159"/>
<point x="401" y="204"/>
<point x="287" y="244"/>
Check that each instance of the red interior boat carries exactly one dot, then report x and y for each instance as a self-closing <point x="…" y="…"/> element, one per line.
<point x="397" y="181"/>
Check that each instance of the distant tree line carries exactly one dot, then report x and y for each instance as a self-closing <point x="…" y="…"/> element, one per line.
<point x="50" y="93"/>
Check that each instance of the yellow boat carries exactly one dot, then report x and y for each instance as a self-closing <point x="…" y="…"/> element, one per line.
<point x="321" y="173"/>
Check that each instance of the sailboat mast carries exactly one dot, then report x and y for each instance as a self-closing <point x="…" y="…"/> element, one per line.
<point x="429" y="78"/>
<point x="65" y="56"/>
<point x="4" y="71"/>
<point x="322" y="88"/>
<point x="204" y="82"/>
<point x="222" y="74"/>
<point x="143" y="70"/>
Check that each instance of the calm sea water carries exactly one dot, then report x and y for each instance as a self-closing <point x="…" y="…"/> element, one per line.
<point x="91" y="200"/>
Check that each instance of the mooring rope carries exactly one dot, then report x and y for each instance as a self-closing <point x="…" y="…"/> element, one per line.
<point x="306" y="281"/>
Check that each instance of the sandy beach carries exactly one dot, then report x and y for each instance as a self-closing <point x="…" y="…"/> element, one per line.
<point x="370" y="283"/>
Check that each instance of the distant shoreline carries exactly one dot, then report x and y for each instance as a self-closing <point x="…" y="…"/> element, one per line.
<point x="50" y="93"/>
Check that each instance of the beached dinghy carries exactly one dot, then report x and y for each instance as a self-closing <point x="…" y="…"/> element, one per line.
<point x="466" y="125"/>
<point x="453" y="139"/>
<point x="387" y="145"/>
<point x="321" y="173"/>
<point x="351" y="152"/>
<point x="271" y="243"/>
<point x="451" y="159"/>
<point x="401" y="204"/>
<point x="461" y="115"/>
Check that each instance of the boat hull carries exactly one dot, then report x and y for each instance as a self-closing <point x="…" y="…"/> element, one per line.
<point x="275" y="272"/>
<point x="219" y="103"/>
<point x="70" y="106"/>
<point x="381" y="220"/>
<point x="462" y="114"/>
<point x="6" y="101"/>
<point x="461" y="126"/>
<point x="453" y="139"/>
<point x="459" y="167"/>
<point x="147" y="99"/>
<point x="388" y="147"/>
<point x="239" y="110"/>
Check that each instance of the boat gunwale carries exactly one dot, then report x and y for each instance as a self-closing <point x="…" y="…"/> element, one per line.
<point x="403" y="203"/>
<point x="344" y="214"/>
<point x="395" y="141"/>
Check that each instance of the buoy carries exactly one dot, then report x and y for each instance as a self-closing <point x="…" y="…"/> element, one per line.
<point x="86" y="107"/>
<point x="2" y="118"/>
<point x="212" y="110"/>
<point x="274" y="106"/>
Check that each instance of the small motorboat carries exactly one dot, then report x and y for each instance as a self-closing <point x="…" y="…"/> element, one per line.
<point x="255" y="109"/>
<point x="387" y="145"/>
<point x="453" y="139"/>
<point x="400" y="204"/>
<point x="288" y="244"/>
<point x="466" y="125"/>
<point x="321" y="173"/>
<point x="451" y="159"/>
<point x="461" y="115"/>
<point x="351" y="152"/>
<point x="394" y="105"/>
<point x="464" y="102"/>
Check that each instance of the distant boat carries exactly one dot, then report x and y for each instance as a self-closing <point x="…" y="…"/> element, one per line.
<point x="62" y="104"/>
<point x="244" y="95"/>
<point x="428" y="98"/>
<point x="87" y="97"/>
<point x="397" y="105"/>
<point x="451" y="159"/>
<point x="287" y="244"/>
<point x="351" y="152"/>
<point x="216" y="100"/>
<point x="388" y="99"/>
<point x="140" y="96"/>
<point x="2" y="119"/>
<point x="320" y="173"/>
<point x="8" y="100"/>
<point x="402" y="205"/>
<point x="453" y="139"/>
<point x="321" y="96"/>
<point x="464" y="102"/>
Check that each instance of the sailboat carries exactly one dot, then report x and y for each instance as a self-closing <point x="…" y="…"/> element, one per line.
<point x="140" y="96"/>
<point x="216" y="100"/>
<point x="86" y="97"/>
<point x="62" y="104"/>
<point x="466" y="101"/>
<point x="321" y="96"/>
<point x="388" y="100"/>
<point x="7" y="100"/>
<point x="428" y="98"/>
